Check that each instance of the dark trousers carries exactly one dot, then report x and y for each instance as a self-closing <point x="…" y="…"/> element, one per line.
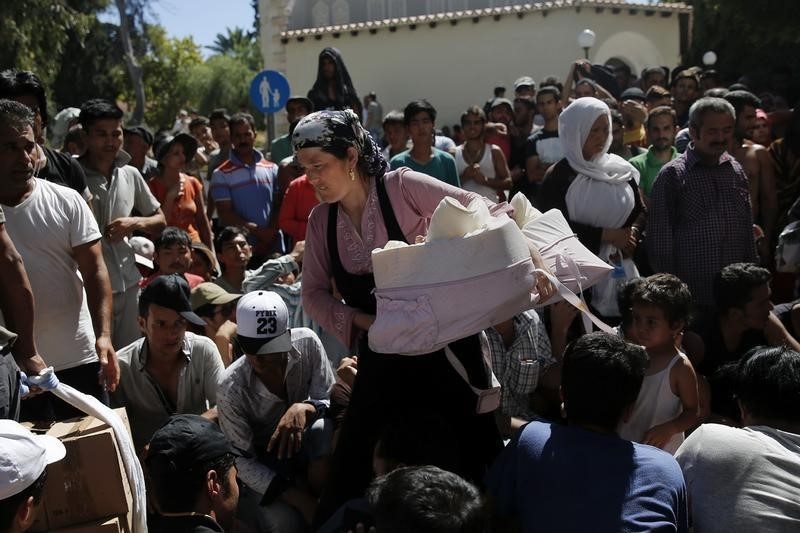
<point x="46" y="406"/>
<point x="394" y="387"/>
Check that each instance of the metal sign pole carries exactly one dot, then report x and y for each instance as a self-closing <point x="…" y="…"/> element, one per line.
<point x="270" y="128"/>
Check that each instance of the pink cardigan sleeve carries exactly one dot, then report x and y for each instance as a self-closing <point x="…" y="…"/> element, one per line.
<point x="317" y="287"/>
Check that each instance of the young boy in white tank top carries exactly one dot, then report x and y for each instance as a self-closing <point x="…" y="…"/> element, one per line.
<point x="668" y="401"/>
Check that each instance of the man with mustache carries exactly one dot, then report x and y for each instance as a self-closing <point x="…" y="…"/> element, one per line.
<point x="700" y="217"/>
<point x="57" y="237"/>
<point x="173" y="255"/>
<point x="661" y="127"/>
<point x="246" y="191"/>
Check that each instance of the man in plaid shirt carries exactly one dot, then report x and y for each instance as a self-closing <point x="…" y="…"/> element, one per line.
<point x="521" y="357"/>
<point x="700" y="216"/>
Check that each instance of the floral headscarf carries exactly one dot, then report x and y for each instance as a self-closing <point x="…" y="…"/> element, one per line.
<point x="339" y="130"/>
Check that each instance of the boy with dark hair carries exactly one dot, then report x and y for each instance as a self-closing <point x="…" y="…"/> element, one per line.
<point x="427" y="499"/>
<point x="628" y="486"/>
<point x="173" y="255"/>
<point x="117" y="189"/>
<point x="667" y="404"/>
<point x="748" y="479"/>
<point x="192" y="470"/>
<point x="423" y="156"/>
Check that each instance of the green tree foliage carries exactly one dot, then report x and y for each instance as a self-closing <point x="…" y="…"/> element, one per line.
<point x="166" y="72"/>
<point x="222" y="81"/>
<point x="749" y="37"/>
<point x="240" y="45"/>
<point x="34" y="33"/>
<point x="91" y="67"/>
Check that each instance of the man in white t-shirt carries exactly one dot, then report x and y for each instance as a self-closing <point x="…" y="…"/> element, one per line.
<point x="58" y="238"/>
<point x="748" y="479"/>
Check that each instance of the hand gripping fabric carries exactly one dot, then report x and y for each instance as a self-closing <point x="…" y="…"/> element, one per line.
<point x="90" y="405"/>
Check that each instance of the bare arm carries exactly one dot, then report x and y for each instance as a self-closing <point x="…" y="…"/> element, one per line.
<point x="123" y="227"/>
<point x="776" y="334"/>
<point x="535" y="170"/>
<point x="768" y="193"/>
<point x="228" y="216"/>
<point x="16" y="302"/>
<point x="93" y="270"/>
<point x="502" y="176"/>
<point x="201" y="221"/>
<point x="684" y="385"/>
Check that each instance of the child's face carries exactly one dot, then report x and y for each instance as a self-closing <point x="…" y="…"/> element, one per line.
<point x="651" y="327"/>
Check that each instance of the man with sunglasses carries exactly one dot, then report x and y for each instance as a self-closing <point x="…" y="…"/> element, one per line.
<point x="272" y="402"/>
<point x="169" y="371"/>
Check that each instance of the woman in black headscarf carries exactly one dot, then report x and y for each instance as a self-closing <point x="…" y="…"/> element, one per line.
<point x="333" y="88"/>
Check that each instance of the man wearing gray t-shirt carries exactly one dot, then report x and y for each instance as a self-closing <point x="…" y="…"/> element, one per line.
<point x="748" y="479"/>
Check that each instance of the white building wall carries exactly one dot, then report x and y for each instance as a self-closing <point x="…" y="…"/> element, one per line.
<point x="458" y="66"/>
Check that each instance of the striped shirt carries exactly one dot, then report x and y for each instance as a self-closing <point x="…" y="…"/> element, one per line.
<point x="700" y="221"/>
<point x="250" y="188"/>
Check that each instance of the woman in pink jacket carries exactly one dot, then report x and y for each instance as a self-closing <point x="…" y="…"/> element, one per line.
<point x="363" y="207"/>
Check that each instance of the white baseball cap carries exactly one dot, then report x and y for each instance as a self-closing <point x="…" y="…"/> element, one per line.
<point x="24" y="457"/>
<point x="262" y="323"/>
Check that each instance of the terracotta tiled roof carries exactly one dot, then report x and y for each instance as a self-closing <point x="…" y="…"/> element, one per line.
<point x="617" y="6"/>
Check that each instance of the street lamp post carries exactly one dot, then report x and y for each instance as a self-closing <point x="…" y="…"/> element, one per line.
<point x="709" y="58"/>
<point x="586" y="40"/>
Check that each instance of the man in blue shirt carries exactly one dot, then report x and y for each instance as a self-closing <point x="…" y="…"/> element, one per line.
<point x="583" y="476"/>
<point x="245" y="188"/>
<point x="420" y="118"/>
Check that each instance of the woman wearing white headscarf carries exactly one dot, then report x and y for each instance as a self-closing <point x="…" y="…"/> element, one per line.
<point x="597" y="192"/>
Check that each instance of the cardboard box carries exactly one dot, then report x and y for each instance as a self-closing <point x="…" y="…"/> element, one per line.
<point x="89" y="484"/>
<point x="114" y="525"/>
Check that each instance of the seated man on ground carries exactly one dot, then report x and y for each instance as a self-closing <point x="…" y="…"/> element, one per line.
<point x="272" y="404"/>
<point x="748" y="479"/>
<point x="583" y="476"/>
<point x="523" y="362"/>
<point x="169" y="370"/>
<point x="173" y="255"/>
<point x="192" y="471"/>
<point x="743" y="320"/>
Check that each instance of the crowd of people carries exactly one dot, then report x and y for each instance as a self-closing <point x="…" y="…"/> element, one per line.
<point x="224" y="296"/>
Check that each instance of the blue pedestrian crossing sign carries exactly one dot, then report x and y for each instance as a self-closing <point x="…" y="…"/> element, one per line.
<point x="269" y="91"/>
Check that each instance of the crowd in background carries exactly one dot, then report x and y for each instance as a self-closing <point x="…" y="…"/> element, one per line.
<point x="222" y="291"/>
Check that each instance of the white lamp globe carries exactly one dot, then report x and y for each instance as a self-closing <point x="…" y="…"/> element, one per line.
<point x="586" y="38"/>
<point x="709" y="58"/>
